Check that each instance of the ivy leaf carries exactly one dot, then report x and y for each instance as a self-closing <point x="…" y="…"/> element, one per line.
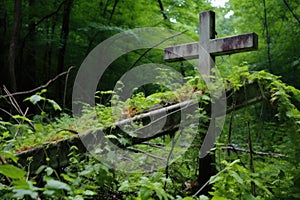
<point x="12" y="171"/>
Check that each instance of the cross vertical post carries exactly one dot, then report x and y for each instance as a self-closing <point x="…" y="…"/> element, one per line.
<point x="206" y="33"/>
<point x="206" y="49"/>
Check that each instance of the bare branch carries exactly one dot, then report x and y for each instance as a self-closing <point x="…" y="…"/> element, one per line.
<point x="149" y="49"/>
<point x="146" y="153"/>
<point x="260" y="153"/>
<point x="40" y="87"/>
<point x="162" y="9"/>
<point x="113" y="10"/>
<point x="290" y="9"/>
<point x="15" y="104"/>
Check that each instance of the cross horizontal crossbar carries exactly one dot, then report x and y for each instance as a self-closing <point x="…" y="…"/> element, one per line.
<point x="216" y="47"/>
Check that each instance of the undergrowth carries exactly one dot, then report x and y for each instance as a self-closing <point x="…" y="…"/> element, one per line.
<point x="242" y="173"/>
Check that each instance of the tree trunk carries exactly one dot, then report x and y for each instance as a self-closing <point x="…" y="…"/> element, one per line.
<point x="207" y="166"/>
<point x="14" y="46"/>
<point x="63" y="41"/>
<point x="28" y="66"/>
<point x="268" y="38"/>
<point x="3" y="57"/>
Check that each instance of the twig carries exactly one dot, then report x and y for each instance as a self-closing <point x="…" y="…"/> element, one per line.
<point x="46" y="17"/>
<point x="174" y="141"/>
<point x="146" y="153"/>
<point x="203" y="186"/>
<point x="231" y="121"/>
<point x="162" y="9"/>
<point x="294" y="15"/>
<point x="251" y="161"/>
<point x="10" y="115"/>
<point x="154" y="145"/>
<point x="66" y="84"/>
<point x="261" y="123"/>
<point x="149" y="49"/>
<point x="260" y="153"/>
<point x="40" y="87"/>
<point x="13" y="101"/>
<point x="113" y="10"/>
<point x="16" y="106"/>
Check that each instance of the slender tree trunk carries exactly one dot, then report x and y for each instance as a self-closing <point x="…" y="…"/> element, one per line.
<point x="29" y="70"/>
<point x="52" y="33"/>
<point x="3" y="57"/>
<point x="63" y="41"/>
<point x="45" y="56"/>
<point x="268" y="38"/>
<point x="14" y="44"/>
<point x="162" y="9"/>
<point x="113" y="10"/>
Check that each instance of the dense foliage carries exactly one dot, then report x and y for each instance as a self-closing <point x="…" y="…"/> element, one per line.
<point x="242" y="175"/>
<point x="257" y="155"/>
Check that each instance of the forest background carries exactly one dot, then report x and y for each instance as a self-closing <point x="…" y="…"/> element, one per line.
<point x="43" y="43"/>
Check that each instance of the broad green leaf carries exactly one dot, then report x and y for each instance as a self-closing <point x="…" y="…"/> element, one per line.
<point x="54" y="104"/>
<point x="40" y="169"/>
<point x="49" y="193"/>
<point x="215" y="178"/>
<point x="237" y="177"/>
<point x="202" y="197"/>
<point x="23" y="184"/>
<point x="218" y="198"/>
<point x="38" y="127"/>
<point x="7" y="154"/>
<point x="49" y="171"/>
<point x="67" y="178"/>
<point x="34" y="98"/>
<point x="89" y="193"/>
<point x="57" y="185"/>
<point x="12" y="171"/>
<point x="248" y="196"/>
<point x="21" y="193"/>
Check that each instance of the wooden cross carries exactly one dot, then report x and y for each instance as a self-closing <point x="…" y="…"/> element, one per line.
<point x="208" y="47"/>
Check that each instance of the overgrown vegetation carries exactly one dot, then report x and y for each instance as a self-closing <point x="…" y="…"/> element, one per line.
<point x="269" y="171"/>
<point x="257" y="155"/>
